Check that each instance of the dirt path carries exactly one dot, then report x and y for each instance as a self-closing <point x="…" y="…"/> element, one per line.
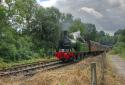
<point x="119" y="65"/>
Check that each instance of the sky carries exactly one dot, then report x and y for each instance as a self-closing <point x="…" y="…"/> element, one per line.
<point x="107" y="15"/>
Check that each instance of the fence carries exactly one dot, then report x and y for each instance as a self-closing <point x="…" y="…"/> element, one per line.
<point x="98" y="70"/>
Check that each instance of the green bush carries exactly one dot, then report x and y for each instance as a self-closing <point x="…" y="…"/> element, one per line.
<point x="119" y="48"/>
<point x="14" y="47"/>
<point x="42" y="52"/>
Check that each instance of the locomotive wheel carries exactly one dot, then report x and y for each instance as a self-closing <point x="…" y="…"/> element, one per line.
<point x="83" y="57"/>
<point x="72" y="59"/>
<point x="64" y="60"/>
<point x="77" y="59"/>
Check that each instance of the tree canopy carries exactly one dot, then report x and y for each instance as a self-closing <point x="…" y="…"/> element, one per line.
<point x="27" y="29"/>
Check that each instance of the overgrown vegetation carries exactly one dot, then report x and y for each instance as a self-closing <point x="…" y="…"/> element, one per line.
<point x="27" y="30"/>
<point x="119" y="47"/>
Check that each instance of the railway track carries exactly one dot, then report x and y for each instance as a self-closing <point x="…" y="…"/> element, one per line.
<point x="14" y="67"/>
<point x="33" y="68"/>
<point x="29" y="69"/>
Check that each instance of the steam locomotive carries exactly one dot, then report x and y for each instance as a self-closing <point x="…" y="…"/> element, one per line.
<point x="73" y="48"/>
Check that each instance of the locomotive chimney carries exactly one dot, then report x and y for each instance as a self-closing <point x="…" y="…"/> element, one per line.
<point x="65" y="33"/>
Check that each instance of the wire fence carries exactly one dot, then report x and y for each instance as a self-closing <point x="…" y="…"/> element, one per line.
<point x="96" y="69"/>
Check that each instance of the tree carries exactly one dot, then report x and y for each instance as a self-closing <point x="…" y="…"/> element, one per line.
<point x="119" y="35"/>
<point x="90" y="32"/>
<point x="12" y="44"/>
<point x="45" y="27"/>
<point x="77" y="25"/>
<point x="21" y="13"/>
<point x="122" y="36"/>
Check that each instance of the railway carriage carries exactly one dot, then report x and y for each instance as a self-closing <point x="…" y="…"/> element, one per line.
<point x="70" y="49"/>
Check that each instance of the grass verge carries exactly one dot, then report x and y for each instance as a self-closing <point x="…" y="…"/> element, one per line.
<point x="32" y="60"/>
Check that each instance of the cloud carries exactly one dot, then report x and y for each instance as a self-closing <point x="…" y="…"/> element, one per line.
<point x="107" y="15"/>
<point x="47" y="3"/>
<point x="91" y="11"/>
<point x="120" y="3"/>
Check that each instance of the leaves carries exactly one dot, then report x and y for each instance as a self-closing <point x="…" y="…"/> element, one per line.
<point x="77" y="25"/>
<point x="45" y="27"/>
<point x="27" y="28"/>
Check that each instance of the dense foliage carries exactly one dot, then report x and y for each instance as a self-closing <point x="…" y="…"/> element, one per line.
<point x="119" y="47"/>
<point x="28" y="30"/>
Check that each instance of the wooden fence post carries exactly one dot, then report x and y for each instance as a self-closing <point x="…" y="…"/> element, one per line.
<point x="105" y="62"/>
<point x="103" y="67"/>
<point x="93" y="74"/>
